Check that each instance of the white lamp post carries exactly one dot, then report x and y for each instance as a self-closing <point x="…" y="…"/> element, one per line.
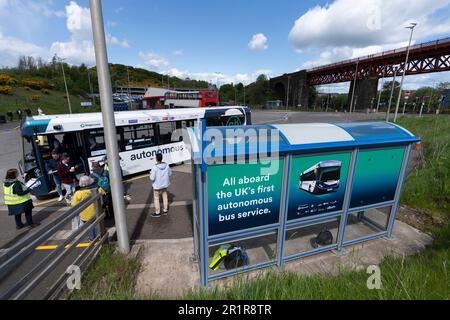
<point x="411" y="26"/>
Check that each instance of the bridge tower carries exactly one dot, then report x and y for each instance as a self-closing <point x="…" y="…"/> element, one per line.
<point x="292" y="89"/>
<point x="365" y="94"/>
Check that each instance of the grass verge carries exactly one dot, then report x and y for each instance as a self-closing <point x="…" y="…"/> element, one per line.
<point x="112" y="276"/>
<point x="422" y="277"/>
<point x="53" y="103"/>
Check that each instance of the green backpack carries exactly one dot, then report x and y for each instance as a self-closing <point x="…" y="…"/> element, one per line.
<point x="102" y="182"/>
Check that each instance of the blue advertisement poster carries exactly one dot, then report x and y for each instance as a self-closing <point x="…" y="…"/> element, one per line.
<point x="317" y="184"/>
<point x="240" y="196"/>
<point x="376" y="176"/>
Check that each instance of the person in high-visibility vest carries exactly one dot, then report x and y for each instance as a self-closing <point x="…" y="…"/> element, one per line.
<point x="18" y="199"/>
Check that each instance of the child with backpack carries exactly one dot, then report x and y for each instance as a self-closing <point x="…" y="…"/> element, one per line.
<point x="101" y="178"/>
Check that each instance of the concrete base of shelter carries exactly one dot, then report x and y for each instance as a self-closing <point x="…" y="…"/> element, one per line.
<point x="168" y="269"/>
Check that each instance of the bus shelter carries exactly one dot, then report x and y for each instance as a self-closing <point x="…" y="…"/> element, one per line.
<point x="273" y="189"/>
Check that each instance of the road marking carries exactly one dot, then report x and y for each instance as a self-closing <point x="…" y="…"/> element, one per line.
<point x="149" y="206"/>
<point x="137" y="178"/>
<point x="54" y="247"/>
<point x="43" y="203"/>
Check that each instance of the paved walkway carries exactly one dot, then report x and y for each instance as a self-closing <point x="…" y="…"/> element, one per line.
<point x="168" y="270"/>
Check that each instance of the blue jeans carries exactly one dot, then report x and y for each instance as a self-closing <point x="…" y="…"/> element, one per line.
<point x="57" y="182"/>
<point x="93" y="233"/>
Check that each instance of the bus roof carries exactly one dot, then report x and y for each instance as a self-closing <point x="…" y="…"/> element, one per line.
<point x="55" y="124"/>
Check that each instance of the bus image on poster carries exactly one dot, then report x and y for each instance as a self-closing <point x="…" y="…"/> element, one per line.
<point x="322" y="178"/>
<point x="317" y="184"/>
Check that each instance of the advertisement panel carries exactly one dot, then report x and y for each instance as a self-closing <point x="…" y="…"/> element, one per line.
<point x="317" y="184"/>
<point x="240" y="196"/>
<point x="376" y="176"/>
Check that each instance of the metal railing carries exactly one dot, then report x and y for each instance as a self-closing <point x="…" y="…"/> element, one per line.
<point x="18" y="254"/>
<point x="381" y="54"/>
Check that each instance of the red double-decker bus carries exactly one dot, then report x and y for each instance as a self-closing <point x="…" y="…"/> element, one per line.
<point x="157" y="98"/>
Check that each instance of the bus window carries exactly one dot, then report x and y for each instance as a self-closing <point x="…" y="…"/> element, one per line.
<point x="96" y="143"/>
<point x="165" y="132"/>
<point x="139" y="137"/>
<point x="225" y="121"/>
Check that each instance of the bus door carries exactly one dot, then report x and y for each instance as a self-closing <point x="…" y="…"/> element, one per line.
<point x="94" y="146"/>
<point x="36" y="151"/>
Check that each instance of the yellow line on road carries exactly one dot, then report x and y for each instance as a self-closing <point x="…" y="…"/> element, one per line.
<point x="138" y="178"/>
<point x="54" y="247"/>
<point x="43" y="203"/>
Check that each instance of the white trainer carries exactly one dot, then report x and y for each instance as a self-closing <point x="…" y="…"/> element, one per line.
<point x="61" y="198"/>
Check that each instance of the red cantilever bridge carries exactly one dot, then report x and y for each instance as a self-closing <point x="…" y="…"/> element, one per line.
<point x="433" y="56"/>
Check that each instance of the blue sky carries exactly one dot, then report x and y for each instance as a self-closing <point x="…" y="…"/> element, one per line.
<point x="212" y="40"/>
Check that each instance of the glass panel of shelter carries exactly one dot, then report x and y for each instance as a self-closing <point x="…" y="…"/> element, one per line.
<point x="260" y="249"/>
<point x="366" y="223"/>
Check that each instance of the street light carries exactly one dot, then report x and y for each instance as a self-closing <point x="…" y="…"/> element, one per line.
<point x="109" y="125"/>
<point x="411" y="26"/>
<point x="65" y="84"/>
<point x="354" y="87"/>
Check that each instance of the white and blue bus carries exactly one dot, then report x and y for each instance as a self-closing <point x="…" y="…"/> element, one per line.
<point x="140" y="135"/>
<point x="322" y="178"/>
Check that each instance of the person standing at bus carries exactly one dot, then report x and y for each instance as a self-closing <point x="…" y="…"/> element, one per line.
<point x="160" y="178"/>
<point x="18" y="199"/>
<point x="67" y="176"/>
<point x="97" y="173"/>
<point x="52" y="169"/>
<point x="87" y="185"/>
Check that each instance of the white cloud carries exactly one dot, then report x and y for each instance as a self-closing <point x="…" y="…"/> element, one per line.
<point x="216" y="77"/>
<point x="178" y="52"/>
<point x="78" y="49"/>
<point x="153" y="60"/>
<point x="265" y="72"/>
<point x="11" y="48"/>
<point x="30" y="7"/>
<point x="258" y="42"/>
<point x="347" y="29"/>
<point x="114" y="41"/>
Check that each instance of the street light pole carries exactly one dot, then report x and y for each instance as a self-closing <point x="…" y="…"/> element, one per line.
<point x="65" y="84"/>
<point x="388" y="113"/>
<point x="412" y="26"/>
<point x="128" y="75"/>
<point x="354" y="86"/>
<point x="379" y="96"/>
<point x="112" y="148"/>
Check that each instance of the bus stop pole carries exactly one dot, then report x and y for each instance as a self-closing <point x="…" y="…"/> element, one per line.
<point x="104" y="81"/>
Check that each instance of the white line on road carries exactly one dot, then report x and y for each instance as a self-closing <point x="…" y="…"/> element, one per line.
<point x="173" y="204"/>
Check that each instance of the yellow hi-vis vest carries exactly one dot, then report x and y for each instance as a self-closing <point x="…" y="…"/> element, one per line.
<point x="12" y="199"/>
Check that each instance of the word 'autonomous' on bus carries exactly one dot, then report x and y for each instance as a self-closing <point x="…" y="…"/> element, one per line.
<point x="140" y="135"/>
